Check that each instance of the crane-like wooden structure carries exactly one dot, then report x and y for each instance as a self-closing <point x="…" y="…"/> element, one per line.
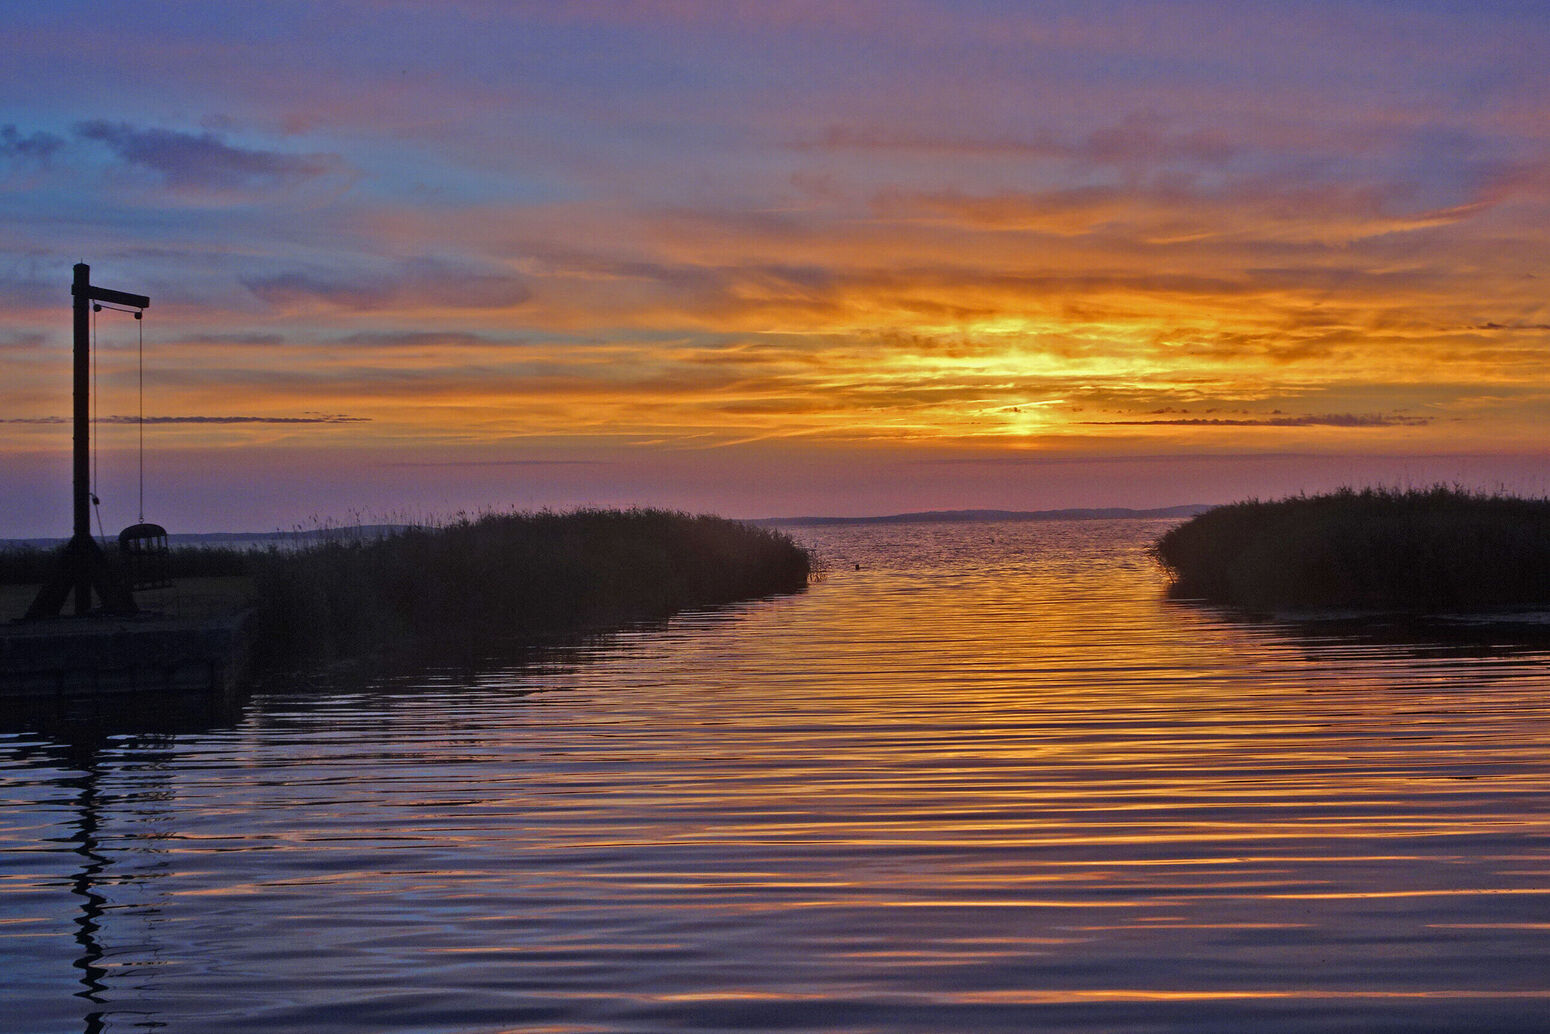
<point x="82" y="565"/>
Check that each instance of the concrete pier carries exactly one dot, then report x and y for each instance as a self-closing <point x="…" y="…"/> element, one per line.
<point x="103" y="655"/>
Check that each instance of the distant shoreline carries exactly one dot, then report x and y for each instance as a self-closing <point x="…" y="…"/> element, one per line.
<point x="310" y="535"/>
<point x="983" y="516"/>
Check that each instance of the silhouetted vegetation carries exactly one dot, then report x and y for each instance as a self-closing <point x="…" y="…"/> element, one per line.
<point x="25" y="565"/>
<point x="1423" y="550"/>
<point x="504" y="578"/>
<point x="30" y="565"/>
<point x="478" y="583"/>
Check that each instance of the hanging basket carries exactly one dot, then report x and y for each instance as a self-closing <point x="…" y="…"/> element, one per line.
<point x="143" y="549"/>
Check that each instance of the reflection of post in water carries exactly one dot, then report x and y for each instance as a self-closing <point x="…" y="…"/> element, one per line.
<point x="84" y="885"/>
<point x="77" y="734"/>
<point x="86" y="839"/>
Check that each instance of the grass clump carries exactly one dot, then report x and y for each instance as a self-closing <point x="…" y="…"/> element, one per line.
<point x="1420" y="550"/>
<point x="503" y="578"/>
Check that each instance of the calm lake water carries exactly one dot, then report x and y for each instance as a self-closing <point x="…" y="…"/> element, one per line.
<point x="990" y="781"/>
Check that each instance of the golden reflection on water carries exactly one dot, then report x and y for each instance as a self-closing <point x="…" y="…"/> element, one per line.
<point x="990" y="780"/>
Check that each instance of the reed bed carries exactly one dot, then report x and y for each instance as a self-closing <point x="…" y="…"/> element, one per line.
<point x="476" y="583"/>
<point x="1434" y="549"/>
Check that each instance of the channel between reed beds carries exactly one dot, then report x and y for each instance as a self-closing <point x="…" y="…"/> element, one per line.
<point x="1424" y="550"/>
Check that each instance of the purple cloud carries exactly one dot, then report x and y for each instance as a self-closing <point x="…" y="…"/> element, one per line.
<point x="419" y="282"/>
<point x="203" y="159"/>
<point x="415" y="339"/>
<point x="35" y="147"/>
<point x="501" y="463"/>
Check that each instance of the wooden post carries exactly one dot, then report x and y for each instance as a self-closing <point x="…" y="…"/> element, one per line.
<point x="81" y="440"/>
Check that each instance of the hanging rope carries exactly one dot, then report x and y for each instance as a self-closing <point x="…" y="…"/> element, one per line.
<point x="139" y="420"/>
<point x="91" y="437"/>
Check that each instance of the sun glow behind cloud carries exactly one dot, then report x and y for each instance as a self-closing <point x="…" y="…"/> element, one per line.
<point x="664" y="234"/>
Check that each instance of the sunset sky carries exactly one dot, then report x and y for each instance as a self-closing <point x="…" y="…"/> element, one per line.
<point x="773" y="258"/>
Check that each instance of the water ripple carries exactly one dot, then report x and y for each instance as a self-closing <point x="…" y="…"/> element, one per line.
<point x="990" y="780"/>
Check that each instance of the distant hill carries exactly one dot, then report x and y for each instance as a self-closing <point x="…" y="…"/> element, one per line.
<point x="977" y="516"/>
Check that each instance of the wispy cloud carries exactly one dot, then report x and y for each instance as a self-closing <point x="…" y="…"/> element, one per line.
<point x="502" y="463"/>
<point x="1142" y="138"/>
<point x="202" y="159"/>
<point x="254" y="339"/>
<point x="414" y="284"/>
<point x="316" y="418"/>
<point x="21" y="340"/>
<point x="415" y="339"/>
<point x="1513" y="327"/>
<point x="1354" y="420"/>
<point x="37" y="147"/>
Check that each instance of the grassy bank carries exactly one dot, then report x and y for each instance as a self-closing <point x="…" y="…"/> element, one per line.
<point x="507" y="578"/>
<point x="209" y="582"/>
<point x="474" y="584"/>
<point x="1421" y="550"/>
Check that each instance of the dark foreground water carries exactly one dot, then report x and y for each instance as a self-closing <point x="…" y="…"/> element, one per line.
<point x="989" y="782"/>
